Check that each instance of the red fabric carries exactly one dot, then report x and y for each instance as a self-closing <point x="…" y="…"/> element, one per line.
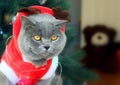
<point x="27" y="73"/>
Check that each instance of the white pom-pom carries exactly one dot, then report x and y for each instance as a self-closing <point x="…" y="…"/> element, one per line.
<point x="42" y="2"/>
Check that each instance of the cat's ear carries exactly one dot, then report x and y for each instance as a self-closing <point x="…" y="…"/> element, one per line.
<point x="60" y="22"/>
<point x="25" y="21"/>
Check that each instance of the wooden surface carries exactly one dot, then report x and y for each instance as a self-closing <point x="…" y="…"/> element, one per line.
<point x="106" y="79"/>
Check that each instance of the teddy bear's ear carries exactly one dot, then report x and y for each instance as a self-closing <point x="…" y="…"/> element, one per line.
<point x="87" y="30"/>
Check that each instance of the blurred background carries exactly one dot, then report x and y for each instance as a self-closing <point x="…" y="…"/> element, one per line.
<point x="100" y="39"/>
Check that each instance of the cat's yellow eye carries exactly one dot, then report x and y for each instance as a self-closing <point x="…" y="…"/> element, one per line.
<point x="37" y="37"/>
<point x="54" y="37"/>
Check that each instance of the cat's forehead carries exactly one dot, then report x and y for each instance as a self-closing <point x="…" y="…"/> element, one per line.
<point x="43" y="21"/>
<point x="45" y="29"/>
<point x="45" y="26"/>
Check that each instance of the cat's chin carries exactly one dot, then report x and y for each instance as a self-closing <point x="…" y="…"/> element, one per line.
<point x="39" y="62"/>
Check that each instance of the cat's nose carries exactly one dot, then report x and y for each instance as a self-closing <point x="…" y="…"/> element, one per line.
<point x="46" y="47"/>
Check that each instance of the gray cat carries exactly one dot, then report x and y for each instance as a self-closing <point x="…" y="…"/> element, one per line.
<point x="40" y="39"/>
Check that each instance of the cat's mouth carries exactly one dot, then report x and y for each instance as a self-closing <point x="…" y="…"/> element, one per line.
<point x="40" y="60"/>
<point x="41" y="54"/>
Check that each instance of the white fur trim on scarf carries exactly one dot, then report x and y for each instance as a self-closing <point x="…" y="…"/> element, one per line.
<point x="8" y="72"/>
<point x="52" y="69"/>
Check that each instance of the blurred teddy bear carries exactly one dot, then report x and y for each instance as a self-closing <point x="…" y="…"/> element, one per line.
<point x="102" y="53"/>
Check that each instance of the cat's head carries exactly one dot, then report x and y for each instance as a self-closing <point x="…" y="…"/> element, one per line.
<point x="41" y="38"/>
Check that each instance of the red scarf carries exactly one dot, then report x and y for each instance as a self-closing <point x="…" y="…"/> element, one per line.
<point x="28" y="74"/>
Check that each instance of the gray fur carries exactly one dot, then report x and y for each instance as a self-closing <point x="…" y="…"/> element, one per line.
<point x="44" y="25"/>
<point x="34" y="51"/>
